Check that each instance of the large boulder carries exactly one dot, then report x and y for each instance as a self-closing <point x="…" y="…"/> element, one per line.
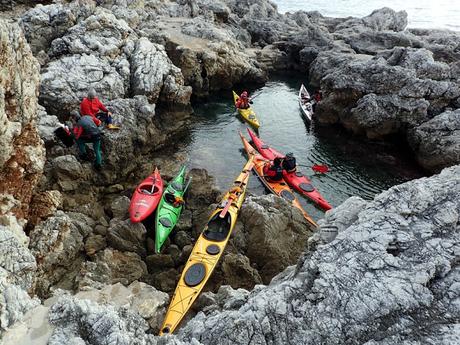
<point x="43" y="24"/>
<point x="151" y="67"/>
<point x="274" y="234"/>
<point x="58" y="246"/>
<point x="437" y="141"/>
<point x="64" y="82"/>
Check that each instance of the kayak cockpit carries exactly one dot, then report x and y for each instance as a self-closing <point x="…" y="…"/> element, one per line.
<point x="177" y="186"/>
<point x="148" y="189"/>
<point x="218" y="228"/>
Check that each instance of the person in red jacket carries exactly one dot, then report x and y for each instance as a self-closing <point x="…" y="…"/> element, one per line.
<point x="92" y="106"/>
<point x="243" y="101"/>
<point x="274" y="172"/>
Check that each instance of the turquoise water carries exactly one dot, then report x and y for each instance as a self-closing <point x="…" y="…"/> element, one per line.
<point x="444" y="14"/>
<point x="355" y="168"/>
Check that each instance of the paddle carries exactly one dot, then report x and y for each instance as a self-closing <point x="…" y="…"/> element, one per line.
<point x="230" y="199"/>
<point x="188" y="184"/>
<point x="153" y="183"/>
<point x="321" y="168"/>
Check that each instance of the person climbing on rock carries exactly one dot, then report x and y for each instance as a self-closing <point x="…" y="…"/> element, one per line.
<point x="243" y="101"/>
<point x="274" y="171"/>
<point x="92" y="106"/>
<point x="289" y="163"/>
<point x="85" y="131"/>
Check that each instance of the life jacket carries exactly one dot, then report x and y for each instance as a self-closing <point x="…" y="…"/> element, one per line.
<point x="243" y="102"/>
<point x="272" y="172"/>
<point x="86" y="128"/>
<point x="289" y="163"/>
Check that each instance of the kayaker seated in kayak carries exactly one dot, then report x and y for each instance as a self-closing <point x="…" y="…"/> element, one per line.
<point x="243" y="101"/>
<point x="85" y="131"/>
<point x="176" y="201"/>
<point x="274" y="172"/>
<point x="92" y="106"/>
<point x="305" y="99"/>
<point x="289" y="162"/>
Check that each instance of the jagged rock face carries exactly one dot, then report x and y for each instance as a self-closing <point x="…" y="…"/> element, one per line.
<point x="437" y="141"/>
<point x="127" y="311"/>
<point x="22" y="154"/>
<point x="100" y="51"/>
<point x="57" y="245"/>
<point x="17" y="269"/>
<point x="393" y="262"/>
<point x="387" y="94"/>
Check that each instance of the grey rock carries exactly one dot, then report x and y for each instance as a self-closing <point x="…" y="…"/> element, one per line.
<point x="276" y="234"/>
<point x="120" y="206"/>
<point x="150" y="68"/>
<point x="237" y="271"/>
<point x="182" y="239"/>
<point x="377" y="116"/>
<point x="57" y="245"/>
<point x="437" y="141"/>
<point x="95" y="243"/>
<point x="64" y="82"/>
<point x="158" y="262"/>
<point x="127" y="236"/>
<point x="42" y="24"/>
<point x="17" y="264"/>
<point x="101" y="34"/>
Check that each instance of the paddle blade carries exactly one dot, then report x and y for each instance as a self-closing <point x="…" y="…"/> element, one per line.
<point x="320" y="168"/>
<point x="225" y="210"/>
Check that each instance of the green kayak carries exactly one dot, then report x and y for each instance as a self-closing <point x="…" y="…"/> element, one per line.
<point x="169" y="209"/>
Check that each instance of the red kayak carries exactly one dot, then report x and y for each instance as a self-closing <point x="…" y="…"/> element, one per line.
<point x="146" y="197"/>
<point x="296" y="180"/>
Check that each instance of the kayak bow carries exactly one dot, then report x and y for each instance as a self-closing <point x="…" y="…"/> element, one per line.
<point x="146" y="197"/>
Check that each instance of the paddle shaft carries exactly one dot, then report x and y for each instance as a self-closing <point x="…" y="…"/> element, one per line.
<point x="188" y="184"/>
<point x="229" y="200"/>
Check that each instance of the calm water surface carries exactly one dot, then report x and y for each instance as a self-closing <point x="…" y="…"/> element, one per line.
<point x="429" y="14"/>
<point x="356" y="168"/>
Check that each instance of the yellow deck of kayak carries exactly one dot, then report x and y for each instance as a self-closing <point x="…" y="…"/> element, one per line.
<point x="185" y="295"/>
<point x="279" y="188"/>
<point x="247" y="114"/>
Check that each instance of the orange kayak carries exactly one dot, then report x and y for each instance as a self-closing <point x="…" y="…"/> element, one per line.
<point x="280" y="188"/>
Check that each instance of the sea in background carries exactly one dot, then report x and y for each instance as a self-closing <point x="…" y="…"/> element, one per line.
<point x="427" y="14"/>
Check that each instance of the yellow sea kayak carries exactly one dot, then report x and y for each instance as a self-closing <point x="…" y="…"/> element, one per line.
<point x="247" y="114"/>
<point x="206" y="252"/>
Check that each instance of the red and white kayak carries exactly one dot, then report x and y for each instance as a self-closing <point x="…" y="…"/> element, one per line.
<point x="296" y="179"/>
<point x="146" y="197"/>
<point x="305" y="102"/>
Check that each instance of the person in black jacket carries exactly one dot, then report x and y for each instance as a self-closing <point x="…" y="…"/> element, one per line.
<point x="85" y="131"/>
<point x="289" y="162"/>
